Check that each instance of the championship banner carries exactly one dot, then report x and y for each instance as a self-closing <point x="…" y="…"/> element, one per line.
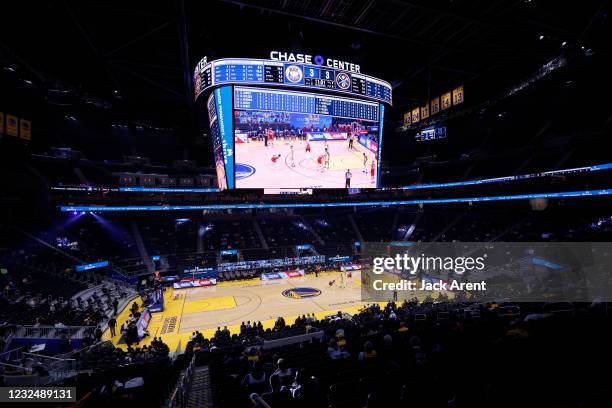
<point x="407" y="118"/>
<point x="1" y="123"/>
<point x="25" y="129"/>
<point x="446" y="100"/>
<point x="434" y="106"/>
<point x="425" y="111"/>
<point x="415" y="115"/>
<point x="11" y="125"/>
<point x="458" y="95"/>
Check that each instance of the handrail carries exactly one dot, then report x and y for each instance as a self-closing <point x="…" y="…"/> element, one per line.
<point x="180" y="395"/>
<point x="258" y="400"/>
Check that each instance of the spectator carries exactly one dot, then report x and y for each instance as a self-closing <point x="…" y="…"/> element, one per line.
<point x="112" y="323"/>
<point x="283" y="375"/>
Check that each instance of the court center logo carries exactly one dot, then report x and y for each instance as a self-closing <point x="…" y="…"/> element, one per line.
<point x="294" y="74"/>
<point x="301" y="293"/>
<point x="243" y="171"/>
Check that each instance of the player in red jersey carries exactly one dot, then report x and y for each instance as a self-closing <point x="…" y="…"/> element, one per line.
<point x="271" y="136"/>
<point x="320" y="162"/>
<point x="373" y="170"/>
<point x="275" y="158"/>
<point x="307" y="147"/>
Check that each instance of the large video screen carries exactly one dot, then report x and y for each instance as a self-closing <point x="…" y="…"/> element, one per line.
<point x="220" y="119"/>
<point x="286" y="139"/>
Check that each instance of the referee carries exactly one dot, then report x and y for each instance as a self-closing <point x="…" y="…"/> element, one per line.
<point x="348" y="176"/>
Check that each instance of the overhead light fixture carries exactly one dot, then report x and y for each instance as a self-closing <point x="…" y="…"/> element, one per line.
<point x="541" y="37"/>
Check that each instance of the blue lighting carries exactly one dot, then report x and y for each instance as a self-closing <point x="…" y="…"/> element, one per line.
<point x="95" y="265"/>
<point x="582" y="193"/>
<point x="168" y="190"/>
<point x="597" y="167"/>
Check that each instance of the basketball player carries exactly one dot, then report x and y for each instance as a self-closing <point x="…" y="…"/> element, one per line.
<point x="271" y="136"/>
<point x="373" y="170"/>
<point x="275" y="158"/>
<point x="327" y="157"/>
<point x="342" y="278"/>
<point x="307" y="147"/>
<point x="365" y="163"/>
<point x="291" y="157"/>
<point x="320" y="161"/>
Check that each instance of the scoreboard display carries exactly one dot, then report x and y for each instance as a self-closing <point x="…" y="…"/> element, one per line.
<point x="269" y="72"/>
<point x="307" y="103"/>
<point x="431" y="133"/>
<point x="288" y="125"/>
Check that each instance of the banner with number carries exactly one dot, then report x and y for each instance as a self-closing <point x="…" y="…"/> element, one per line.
<point x="458" y="95"/>
<point x="425" y="111"/>
<point x="445" y="100"/>
<point x="407" y="118"/>
<point x="434" y="106"/>
<point x="11" y="125"/>
<point x="25" y="129"/>
<point x="415" y="115"/>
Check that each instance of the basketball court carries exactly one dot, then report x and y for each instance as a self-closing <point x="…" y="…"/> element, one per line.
<point x="231" y="303"/>
<point x="303" y="171"/>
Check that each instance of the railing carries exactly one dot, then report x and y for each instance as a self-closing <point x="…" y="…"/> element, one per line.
<point x="11" y="355"/>
<point x="259" y="401"/>
<point x="180" y="394"/>
<point x="284" y="341"/>
<point x="51" y="332"/>
<point x="72" y="353"/>
<point x="58" y="368"/>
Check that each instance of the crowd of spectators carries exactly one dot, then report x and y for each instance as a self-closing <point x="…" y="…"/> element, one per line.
<point x="428" y="354"/>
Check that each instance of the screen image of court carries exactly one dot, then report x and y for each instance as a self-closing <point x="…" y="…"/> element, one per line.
<point x="302" y="168"/>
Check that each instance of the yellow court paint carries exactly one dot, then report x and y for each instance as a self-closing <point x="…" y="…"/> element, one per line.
<point x="209" y="304"/>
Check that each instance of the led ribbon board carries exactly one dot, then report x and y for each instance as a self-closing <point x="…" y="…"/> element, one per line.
<point x="243" y="71"/>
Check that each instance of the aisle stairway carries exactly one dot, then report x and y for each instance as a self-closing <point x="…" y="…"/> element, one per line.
<point x="199" y="395"/>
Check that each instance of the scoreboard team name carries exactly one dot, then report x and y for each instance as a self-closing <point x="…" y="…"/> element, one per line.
<point x="316" y="60"/>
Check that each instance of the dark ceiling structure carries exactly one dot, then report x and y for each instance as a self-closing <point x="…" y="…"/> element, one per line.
<point x="135" y="58"/>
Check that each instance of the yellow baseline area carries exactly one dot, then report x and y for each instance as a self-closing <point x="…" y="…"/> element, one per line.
<point x="177" y="306"/>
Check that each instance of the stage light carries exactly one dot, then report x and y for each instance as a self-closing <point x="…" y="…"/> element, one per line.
<point x="541" y="37"/>
<point x="564" y="43"/>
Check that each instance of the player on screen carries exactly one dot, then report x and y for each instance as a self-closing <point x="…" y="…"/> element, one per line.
<point x="365" y="163"/>
<point x="373" y="170"/>
<point x="275" y="158"/>
<point x="320" y="163"/>
<point x="327" y="156"/>
<point x="270" y="136"/>
<point x="307" y="147"/>
<point x="291" y="157"/>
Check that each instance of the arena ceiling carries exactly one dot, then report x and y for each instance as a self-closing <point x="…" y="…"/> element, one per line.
<point x="136" y="57"/>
